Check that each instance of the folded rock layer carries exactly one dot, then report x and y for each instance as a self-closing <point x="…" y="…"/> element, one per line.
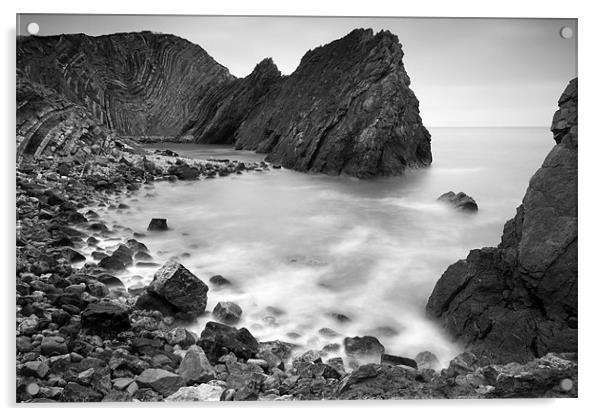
<point x="519" y="300"/>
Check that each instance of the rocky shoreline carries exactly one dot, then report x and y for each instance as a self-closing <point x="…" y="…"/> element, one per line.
<point x="81" y="336"/>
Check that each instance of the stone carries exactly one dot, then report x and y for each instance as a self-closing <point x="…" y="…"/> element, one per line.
<point x="427" y="360"/>
<point x="74" y="392"/>
<point x="396" y="360"/>
<point x="219" y="339"/>
<point x="37" y="369"/>
<point x="53" y="345"/>
<point x="365" y="348"/>
<point x="459" y="201"/>
<point x="161" y="381"/>
<point x="195" y="367"/>
<point x="180" y="288"/>
<point x="219" y="280"/>
<point x="227" y="312"/>
<point x="182" y="337"/>
<point x="200" y="393"/>
<point x="107" y="317"/>
<point x="157" y="224"/>
<point x="184" y="171"/>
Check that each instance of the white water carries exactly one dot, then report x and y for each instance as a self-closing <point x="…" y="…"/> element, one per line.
<point x="311" y="245"/>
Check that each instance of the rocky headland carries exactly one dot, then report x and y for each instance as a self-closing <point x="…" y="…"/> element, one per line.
<point x="518" y="301"/>
<point x="347" y="109"/>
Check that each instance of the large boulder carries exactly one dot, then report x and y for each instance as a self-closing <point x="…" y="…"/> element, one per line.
<point x="180" y="288"/>
<point x="219" y="339"/>
<point x="518" y="300"/>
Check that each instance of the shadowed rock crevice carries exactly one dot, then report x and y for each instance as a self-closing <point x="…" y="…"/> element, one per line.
<point x="519" y="300"/>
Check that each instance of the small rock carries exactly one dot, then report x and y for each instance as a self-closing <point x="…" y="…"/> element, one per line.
<point x="227" y="312"/>
<point x="158" y="224"/>
<point x="195" y="367"/>
<point x="161" y="381"/>
<point x="200" y="393"/>
<point x="459" y="201"/>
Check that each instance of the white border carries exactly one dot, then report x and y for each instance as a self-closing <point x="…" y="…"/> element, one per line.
<point x="589" y="192"/>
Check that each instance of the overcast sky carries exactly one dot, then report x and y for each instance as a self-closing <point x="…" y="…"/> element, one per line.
<point x="465" y="72"/>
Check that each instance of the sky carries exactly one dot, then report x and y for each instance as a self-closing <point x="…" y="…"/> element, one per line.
<point x="465" y="72"/>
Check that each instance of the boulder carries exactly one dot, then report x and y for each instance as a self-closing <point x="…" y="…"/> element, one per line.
<point x="219" y="339"/>
<point x="219" y="280"/>
<point x="460" y="201"/>
<point x="176" y="285"/>
<point x="107" y="317"/>
<point x="161" y="381"/>
<point x="195" y="368"/>
<point x="184" y="171"/>
<point x="227" y="312"/>
<point x="157" y="224"/>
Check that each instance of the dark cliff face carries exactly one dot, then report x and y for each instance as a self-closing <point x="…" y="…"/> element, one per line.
<point x="139" y="84"/>
<point x="519" y="300"/>
<point x="347" y="109"/>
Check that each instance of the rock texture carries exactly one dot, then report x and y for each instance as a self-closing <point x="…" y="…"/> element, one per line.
<point x="137" y="84"/>
<point x="519" y="300"/>
<point x="347" y="109"/>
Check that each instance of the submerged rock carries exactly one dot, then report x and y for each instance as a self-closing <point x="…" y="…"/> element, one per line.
<point x="519" y="300"/>
<point x="459" y="201"/>
<point x="157" y="224"/>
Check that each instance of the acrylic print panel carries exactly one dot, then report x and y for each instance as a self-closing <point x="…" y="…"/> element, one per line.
<point x="265" y="208"/>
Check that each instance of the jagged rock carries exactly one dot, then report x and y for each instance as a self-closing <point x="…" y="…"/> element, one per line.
<point x="180" y="288"/>
<point x="227" y="312"/>
<point x="105" y="317"/>
<point x="184" y="171"/>
<point x="200" y="393"/>
<point x="37" y="369"/>
<point x="74" y="392"/>
<point x="161" y="381"/>
<point x="519" y="300"/>
<point x="459" y="201"/>
<point x="195" y="368"/>
<point x="157" y="224"/>
<point x="219" y="339"/>
<point x="427" y="359"/>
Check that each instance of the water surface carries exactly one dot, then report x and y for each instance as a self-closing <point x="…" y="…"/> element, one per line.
<point x="299" y="248"/>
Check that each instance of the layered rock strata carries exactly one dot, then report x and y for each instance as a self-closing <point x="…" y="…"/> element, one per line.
<point x="518" y="300"/>
<point x="347" y="109"/>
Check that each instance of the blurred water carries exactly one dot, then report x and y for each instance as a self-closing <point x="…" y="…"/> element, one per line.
<point x="312" y="245"/>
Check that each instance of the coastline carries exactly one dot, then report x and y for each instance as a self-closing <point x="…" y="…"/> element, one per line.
<point x="59" y="359"/>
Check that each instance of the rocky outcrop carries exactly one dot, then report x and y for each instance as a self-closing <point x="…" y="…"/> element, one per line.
<point x="460" y="201"/>
<point x="347" y="109"/>
<point x="519" y="300"/>
<point x="139" y="84"/>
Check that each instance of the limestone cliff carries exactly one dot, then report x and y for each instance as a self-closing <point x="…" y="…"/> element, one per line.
<point x="139" y="84"/>
<point x="519" y="300"/>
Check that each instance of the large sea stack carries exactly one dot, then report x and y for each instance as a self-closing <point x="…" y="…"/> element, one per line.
<point x="519" y="300"/>
<point x="347" y="109"/>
